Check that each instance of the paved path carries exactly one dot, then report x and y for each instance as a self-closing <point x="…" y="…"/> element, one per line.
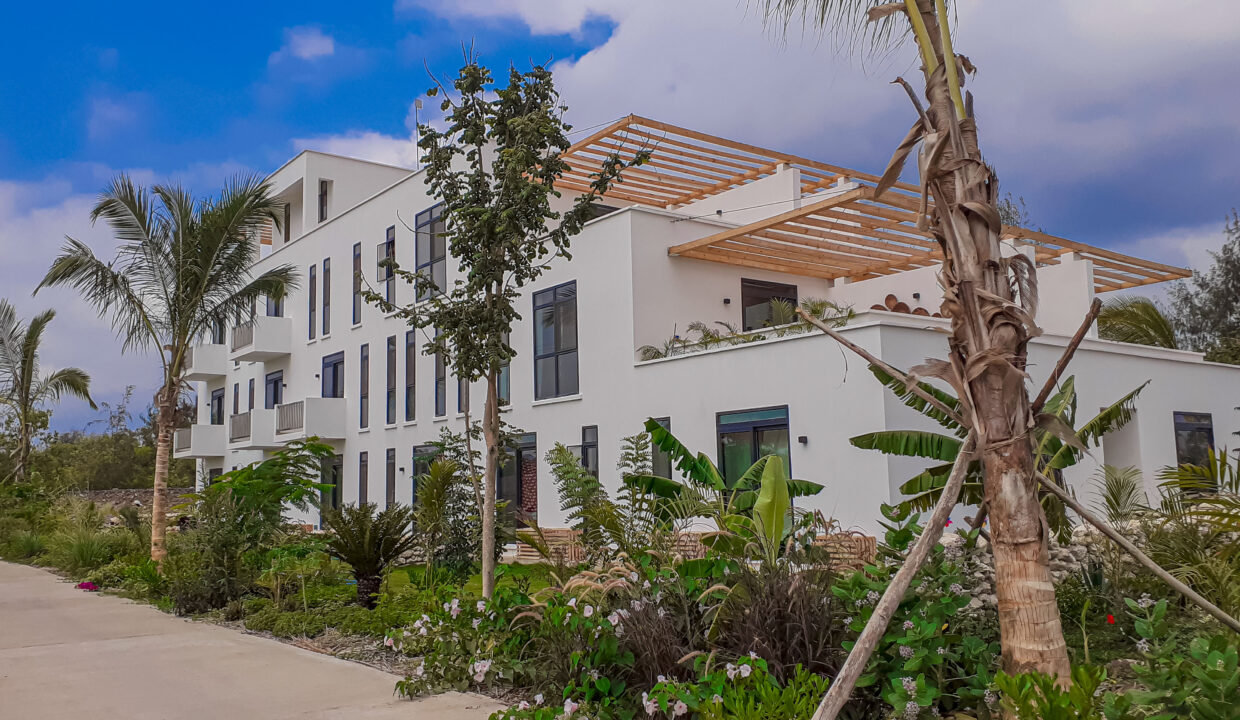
<point x="66" y="653"/>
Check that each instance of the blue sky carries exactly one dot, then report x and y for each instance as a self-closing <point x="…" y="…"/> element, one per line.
<point x="1117" y="120"/>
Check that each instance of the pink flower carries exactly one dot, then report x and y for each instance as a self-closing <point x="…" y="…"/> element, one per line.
<point x="570" y="707"/>
<point x="679" y="708"/>
<point x="88" y="586"/>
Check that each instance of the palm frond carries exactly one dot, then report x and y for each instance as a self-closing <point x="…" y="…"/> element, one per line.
<point x="1120" y="495"/>
<point x="1136" y="320"/>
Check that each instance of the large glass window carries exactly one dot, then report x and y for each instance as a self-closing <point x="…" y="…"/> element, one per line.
<point x="357" y="283"/>
<point x="313" y="301"/>
<point x="324" y="188"/>
<point x="385" y="257"/>
<point x="333" y="470"/>
<point x="756" y="297"/>
<point x="327" y="296"/>
<point x="363" y="394"/>
<point x="217" y="407"/>
<point x="236" y="398"/>
<point x="288" y="222"/>
<point x="250" y="396"/>
<point x="333" y="375"/>
<point x="217" y="333"/>
<point x="275" y="306"/>
<point x="1194" y="438"/>
<point x="390" y="492"/>
<point x="432" y="250"/>
<point x="589" y="449"/>
<point x="423" y="456"/>
<point x="747" y="435"/>
<point x="363" y="477"/>
<point x="391" y="381"/>
<point x="660" y="461"/>
<point x="555" y="342"/>
<point x="273" y="389"/>
<point x="441" y="383"/>
<point x="411" y="356"/>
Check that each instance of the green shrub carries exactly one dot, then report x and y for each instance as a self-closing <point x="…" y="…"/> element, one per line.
<point x="111" y="575"/>
<point x="1034" y="696"/>
<point x="263" y="620"/>
<point x="744" y="690"/>
<point x="298" y="624"/>
<point x="25" y="545"/>
<point x="143" y="578"/>
<point x="355" y="620"/>
<point x="368" y="540"/>
<point x="189" y="588"/>
<point x="78" y="550"/>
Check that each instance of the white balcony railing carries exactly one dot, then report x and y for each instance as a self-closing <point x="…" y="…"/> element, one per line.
<point x="243" y="336"/>
<point x="290" y="417"/>
<point x="261" y="339"/>
<point x="181" y="439"/>
<point x="239" y="427"/>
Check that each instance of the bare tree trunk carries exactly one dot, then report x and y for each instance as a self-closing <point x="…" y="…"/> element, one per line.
<point x="490" y="433"/>
<point x="163" y="453"/>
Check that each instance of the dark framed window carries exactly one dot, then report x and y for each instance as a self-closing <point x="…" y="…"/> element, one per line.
<point x="390" y="398"/>
<point x="555" y="342"/>
<point x="236" y="398"/>
<point x="333" y="471"/>
<point x="217" y="333"/>
<point x="385" y="258"/>
<point x="327" y="296"/>
<point x="660" y="461"/>
<point x="391" y="477"/>
<point x="213" y="474"/>
<point x="357" y="283"/>
<point x="510" y="481"/>
<point x="288" y="222"/>
<point x="432" y="250"/>
<point x="756" y="297"/>
<point x="275" y="306"/>
<point x="363" y="395"/>
<point x="503" y="385"/>
<point x="273" y="389"/>
<point x="589" y="449"/>
<point x="250" y="403"/>
<point x="324" y="189"/>
<point x="441" y="383"/>
<point x="1194" y="437"/>
<point x="217" y="407"/>
<point x="746" y="435"/>
<point x="333" y="375"/>
<point x="411" y="357"/>
<point x="313" y="299"/>
<point x="363" y="477"/>
<point x="423" y="456"/>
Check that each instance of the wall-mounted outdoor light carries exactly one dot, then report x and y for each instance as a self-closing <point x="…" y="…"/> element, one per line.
<point x="803" y="439"/>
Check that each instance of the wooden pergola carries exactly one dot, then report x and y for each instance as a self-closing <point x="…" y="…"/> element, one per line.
<point x="838" y="229"/>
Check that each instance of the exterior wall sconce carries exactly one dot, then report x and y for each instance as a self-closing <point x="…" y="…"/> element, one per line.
<point x="803" y="439"/>
<point x="727" y="301"/>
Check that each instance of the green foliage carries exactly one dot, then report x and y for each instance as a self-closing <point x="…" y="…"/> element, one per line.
<point x="1034" y="696"/>
<point x="263" y="491"/>
<point x="368" y="540"/>
<point x="784" y="321"/>
<point x="431" y="510"/>
<point x="1135" y="319"/>
<point x="1204" y="308"/>
<point x="930" y="656"/>
<point x="1121" y="497"/>
<point x="743" y="690"/>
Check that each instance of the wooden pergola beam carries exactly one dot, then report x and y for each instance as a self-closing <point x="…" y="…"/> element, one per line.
<point x="767" y="223"/>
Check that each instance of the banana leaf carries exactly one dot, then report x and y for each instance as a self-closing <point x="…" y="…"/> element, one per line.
<point x="925" y="488"/>
<point x="910" y="443"/>
<point x="697" y="468"/>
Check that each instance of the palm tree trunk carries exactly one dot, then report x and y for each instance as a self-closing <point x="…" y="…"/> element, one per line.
<point x="163" y="453"/>
<point x="23" y="449"/>
<point x="990" y="331"/>
<point x="490" y="433"/>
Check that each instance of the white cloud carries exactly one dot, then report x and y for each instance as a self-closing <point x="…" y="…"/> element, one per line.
<point x="367" y="145"/>
<point x="304" y="42"/>
<point x="108" y="116"/>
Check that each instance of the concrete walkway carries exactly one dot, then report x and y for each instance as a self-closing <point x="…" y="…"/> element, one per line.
<point x="66" y="653"/>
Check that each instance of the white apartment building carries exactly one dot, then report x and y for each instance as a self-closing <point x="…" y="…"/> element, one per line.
<point x="709" y="230"/>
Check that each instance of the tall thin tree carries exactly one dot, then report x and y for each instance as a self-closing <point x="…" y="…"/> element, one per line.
<point x="183" y="267"/>
<point x="495" y="167"/>
<point x="23" y="390"/>
<point x="991" y="300"/>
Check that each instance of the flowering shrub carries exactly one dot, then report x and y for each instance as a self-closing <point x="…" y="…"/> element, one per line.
<point x="924" y="665"/>
<point x="744" y="690"/>
<point x="463" y="642"/>
<point x="87" y="586"/>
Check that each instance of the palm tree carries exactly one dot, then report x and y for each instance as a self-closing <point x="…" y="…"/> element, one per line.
<point x="1138" y="320"/>
<point x="183" y="267"/>
<point x="22" y="389"/>
<point x="991" y="301"/>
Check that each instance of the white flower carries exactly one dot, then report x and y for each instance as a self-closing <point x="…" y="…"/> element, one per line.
<point x="661" y="678"/>
<point x="572" y="603"/>
<point x="662" y="612"/>
<point x="651" y="706"/>
<point x="679" y="708"/>
<point x="480" y="668"/>
<point x="906" y="652"/>
<point x="731" y="670"/>
<point x="422" y="632"/>
<point x="538" y="699"/>
<point x="744" y="670"/>
<point x="753" y="655"/>
<point x="588" y="610"/>
<point x="388" y="641"/>
<point x="614" y="618"/>
<point x="405" y="633"/>
<point x="570" y="707"/>
<point x="623" y="613"/>
<point x="477" y="622"/>
<point x="646" y="585"/>
<point x="523" y="705"/>
<point x="633" y="576"/>
<point x="637" y="605"/>
<point x="908" y="625"/>
<point x="716" y="699"/>
<point x="420" y="670"/>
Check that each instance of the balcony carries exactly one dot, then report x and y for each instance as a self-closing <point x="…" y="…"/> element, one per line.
<point x="261" y="339"/>
<point x="198" y="441"/>
<point x="253" y="430"/>
<point x="206" y="362"/>
<point x="323" y="418"/>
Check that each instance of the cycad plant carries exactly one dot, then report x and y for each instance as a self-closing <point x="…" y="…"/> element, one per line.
<point x="183" y="267"/>
<point x="369" y="541"/>
<point x="23" y="389"/>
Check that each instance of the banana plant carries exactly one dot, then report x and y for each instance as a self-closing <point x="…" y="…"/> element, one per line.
<point x="754" y="513"/>
<point x="1058" y="444"/>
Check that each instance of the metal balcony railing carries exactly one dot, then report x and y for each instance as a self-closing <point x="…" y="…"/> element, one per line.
<point x="290" y="417"/>
<point x="239" y="427"/>
<point x="181" y="439"/>
<point x="243" y="335"/>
